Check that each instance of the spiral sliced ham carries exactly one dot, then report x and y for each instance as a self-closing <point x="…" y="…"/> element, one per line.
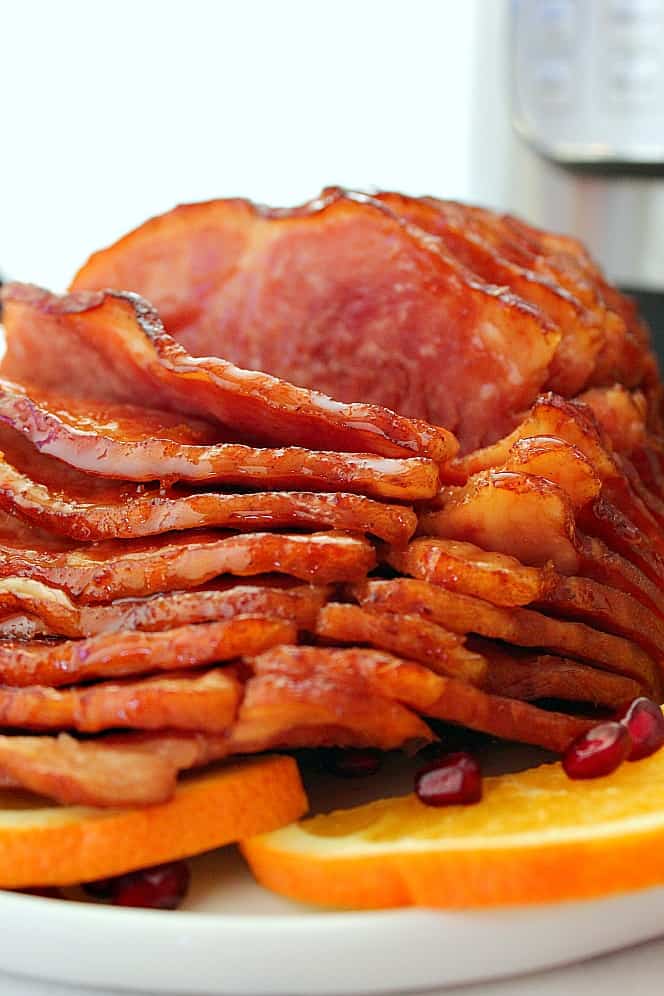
<point x="67" y="662"/>
<point x="395" y="281"/>
<point x="141" y="444"/>
<point x="416" y="687"/>
<point x="105" y="571"/>
<point x="112" y="347"/>
<point x="67" y="502"/>
<point x="504" y="581"/>
<point x="542" y="676"/>
<point x="216" y="561"/>
<point x="86" y="773"/>
<point x="464" y="614"/>
<point x="31" y="608"/>
<point x="186" y="701"/>
<point x="497" y="509"/>
<point x="403" y="634"/>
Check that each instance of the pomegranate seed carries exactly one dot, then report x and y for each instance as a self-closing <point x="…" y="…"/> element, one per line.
<point x="162" y="887"/>
<point x="452" y="780"/>
<point x="645" y="723"/>
<point x="353" y="763"/>
<point x="598" y="752"/>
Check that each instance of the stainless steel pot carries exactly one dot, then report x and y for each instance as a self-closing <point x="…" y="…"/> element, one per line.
<point x="569" y="127"/>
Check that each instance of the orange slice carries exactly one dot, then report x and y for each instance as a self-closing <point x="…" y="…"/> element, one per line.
<point x="45" y="844"/>
<point x="535" y="837"/>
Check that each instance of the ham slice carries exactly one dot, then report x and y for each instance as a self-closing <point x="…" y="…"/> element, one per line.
<point x="542" y="676"/>
<point x="496" y="510"/>
<point x="429" y="694"/>
<point x="561" y="441"/>
<point x="565" y="261"/>
<point x="496" y="577"/>
<point x="550" y="416"/>
<point x="464" y="236"/>
<point x="297" y="696"/>
<point x="104" y="571"/>
<point x="55" y="663"/>
<point x="204" y="702"/>
<point x="298" y="292"/>
<point x="464" y="614"/>
<point x="504" y="581"/>
<point x="397" y="280"/>
<point x="113" y="347"/>
<point x="67" y="502"/>
<point x="622" y="414"/>
<point x="607" y="609"/>
<point x="31" y="608"/>
<point x="86" y="773"/>
<point x="139" y="444"/>
<point x="407" y="635"/>
<point x="303" y="697"/>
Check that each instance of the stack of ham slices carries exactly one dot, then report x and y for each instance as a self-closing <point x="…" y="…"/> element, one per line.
<point x="198" y="559"/>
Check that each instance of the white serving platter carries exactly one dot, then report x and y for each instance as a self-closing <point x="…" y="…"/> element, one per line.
<point x="234" y="939"/>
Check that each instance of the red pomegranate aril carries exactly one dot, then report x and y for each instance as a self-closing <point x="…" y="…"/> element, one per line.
<point x="452" y="780"/>
<point x="161" y="887"/>
<point x="598" y="752"/>
<point x="353" y="763"/>
<point x="645" y="724"/>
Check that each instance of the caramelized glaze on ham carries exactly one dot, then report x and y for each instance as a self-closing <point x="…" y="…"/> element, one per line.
<point x="83" y="507"/>
<point x="414" y="686"/>
<point x="397" y="282"/>
<point x="113" y="347"/>
<point x="104" y="571"/>
<point x="207" y="702"/>
<point x="67" y="662"/>
<point x="462" y="614"/>
<point x="542" y="676"/>
<point x="86" y="773"/>
<point x="450" y="314"/>
<point x="503" y="580"/>
<point x="141" y="444"/>
<point x="29" y="608"/>
<point x="409" y="636"/>
<point x="496" y="510"/>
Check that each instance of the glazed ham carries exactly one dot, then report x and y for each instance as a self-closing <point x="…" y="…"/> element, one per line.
<point x="112" y="346"/>
<point x="31" y="608"/>
<point x="69" y="503"/>
<point x="380" y="674"/>
<point x="396" y="282"/>
<point x="464" y="614"/>
<point x="216" y="561"/>
<point x="541" y="676"/>
<point x="408" y="636"/>
<point x="104" y="571"/>
<point x="183" y="700"/>
<point x="86" y="773"/>
<point x="56" y="663"/>
<point x="141" y="444"/>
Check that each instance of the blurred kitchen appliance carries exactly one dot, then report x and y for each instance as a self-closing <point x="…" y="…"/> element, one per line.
<point x="569" y="128"/>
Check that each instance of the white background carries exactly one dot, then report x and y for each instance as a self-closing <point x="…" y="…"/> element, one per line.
<point x="112" y="112"/>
